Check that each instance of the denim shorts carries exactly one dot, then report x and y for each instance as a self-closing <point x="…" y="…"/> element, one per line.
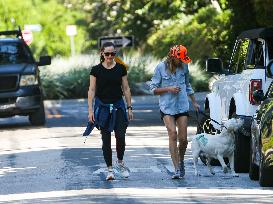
<point x="176" y="116"/>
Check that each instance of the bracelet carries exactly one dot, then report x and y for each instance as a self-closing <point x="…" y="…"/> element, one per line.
<point x="130" y="107"/>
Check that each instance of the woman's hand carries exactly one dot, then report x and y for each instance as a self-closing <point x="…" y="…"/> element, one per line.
<point x="196" y="106"/>
<point x="130" y="114"/>
<point x="91" y="116"/>
<point x="174" y="89"/>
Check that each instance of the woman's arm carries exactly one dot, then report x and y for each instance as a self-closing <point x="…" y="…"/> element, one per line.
<point x="155" y="84"/>
<point x="169" y="89"/>
<point x="127" y="94"/>
<point x="91" y="94"/>
<point x="194" y="103"/>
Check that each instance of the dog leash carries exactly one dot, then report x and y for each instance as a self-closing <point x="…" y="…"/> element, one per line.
<point x="207" y="116"/>
<point x="197" y="119"/>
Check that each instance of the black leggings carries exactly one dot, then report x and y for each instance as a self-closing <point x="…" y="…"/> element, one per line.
<point x="120" y="130"/>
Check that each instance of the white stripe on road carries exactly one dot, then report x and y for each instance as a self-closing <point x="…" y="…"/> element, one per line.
<point x="154" y="169"/>
<point x="165" y="195"/>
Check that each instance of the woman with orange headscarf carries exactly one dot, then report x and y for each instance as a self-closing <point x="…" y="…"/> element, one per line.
<point x="171" y="82"/>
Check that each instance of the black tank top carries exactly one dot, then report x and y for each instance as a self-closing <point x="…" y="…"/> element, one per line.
<point x="108" y="82"/>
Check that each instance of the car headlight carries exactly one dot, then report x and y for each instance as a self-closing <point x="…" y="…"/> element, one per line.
<point x="27" y="80"/>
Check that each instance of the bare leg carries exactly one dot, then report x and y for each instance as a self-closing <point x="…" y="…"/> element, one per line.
<point x="171" y="128"/>
<point x="182" y="136"/>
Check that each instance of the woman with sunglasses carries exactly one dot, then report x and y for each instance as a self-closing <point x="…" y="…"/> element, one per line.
<point x="171" y="82"/>
<point x="108" y="83"/>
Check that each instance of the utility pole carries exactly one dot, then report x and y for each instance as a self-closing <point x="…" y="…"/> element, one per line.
<point x="71" y="31"/>
<point x="72" y="45"/>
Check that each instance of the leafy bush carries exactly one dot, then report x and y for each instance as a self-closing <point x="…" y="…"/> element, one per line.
<point x="68" y="78"/>
<point x="52" y="39"/>
<point x="205" y="34"/>
<point x="199" y="79"/>
<point x="140" y="67"/>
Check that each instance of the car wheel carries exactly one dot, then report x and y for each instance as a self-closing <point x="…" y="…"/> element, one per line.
<point x="38" y="118"/>
<point x="265" y="175"/>
<point x="241" y="153"/>
<point x="253" y="168"/>
<point x="206" y="126"/>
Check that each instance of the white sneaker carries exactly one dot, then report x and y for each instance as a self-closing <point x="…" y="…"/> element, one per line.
<point x="176" y="174"/>
<point x="122" y="169"/>
<point x="110" y="176"/>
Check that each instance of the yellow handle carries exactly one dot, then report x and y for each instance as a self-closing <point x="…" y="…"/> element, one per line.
<point x="118" y="60"/>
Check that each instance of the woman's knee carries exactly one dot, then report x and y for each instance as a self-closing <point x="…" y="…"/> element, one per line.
<point x="171" y="131"/>
<point x="172" y="135"/>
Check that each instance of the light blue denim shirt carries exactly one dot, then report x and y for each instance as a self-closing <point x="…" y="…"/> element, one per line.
<point x="171" y="103"/>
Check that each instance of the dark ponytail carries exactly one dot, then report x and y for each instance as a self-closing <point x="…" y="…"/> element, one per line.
<point x="106" y="44"/>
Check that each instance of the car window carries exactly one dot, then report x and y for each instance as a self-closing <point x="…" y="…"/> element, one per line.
<point x="13" y="53"/>
<point x="270" y="48"/>
<point x="238" y="60"/>
<point x="257" y="55"/>
<point x="242" y="55"/>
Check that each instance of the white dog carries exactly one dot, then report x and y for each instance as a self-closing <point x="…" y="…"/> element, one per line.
<point x="217" y="146"/>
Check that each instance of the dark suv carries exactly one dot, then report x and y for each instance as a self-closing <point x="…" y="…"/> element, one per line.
<point x="261" y="149"/>
<point x="20" y="86"/>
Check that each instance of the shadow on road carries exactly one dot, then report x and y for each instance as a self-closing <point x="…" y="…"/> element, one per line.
<point x="142" y="118"/>
<point x="74" y="113"/>
<point x="74" y="169"/>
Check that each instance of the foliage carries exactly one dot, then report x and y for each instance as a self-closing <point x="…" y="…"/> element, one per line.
<point x="199" y="79"/>
<point x="128" y="17"/>
<point x="52" y="40"/>
<point x="69" y="77"/>
<point x="140" y="70"/>
<point x="205" y="35"/>
<point x="208" y="28"/>
<point x="263" y="12"/>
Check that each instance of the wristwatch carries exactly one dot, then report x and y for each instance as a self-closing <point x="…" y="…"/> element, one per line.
<point x="130" y="107"/>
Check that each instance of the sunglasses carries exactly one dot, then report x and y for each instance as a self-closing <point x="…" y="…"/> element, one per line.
<point x="110" y="53"/>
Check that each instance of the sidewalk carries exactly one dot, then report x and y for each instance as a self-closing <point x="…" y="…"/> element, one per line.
<point x="146" y="109"/>
<point x="136" y="100"/>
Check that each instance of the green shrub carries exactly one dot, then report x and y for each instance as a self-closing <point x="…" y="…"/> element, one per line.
<point x="205" y="34"/>
<point x="51" y="86"/>
<point x="68" y="78"/>
<point x="140" y="67"/>
<point x="199" y="79"/>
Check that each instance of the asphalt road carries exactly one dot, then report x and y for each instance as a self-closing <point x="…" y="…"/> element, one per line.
<point x="52" y="164"/>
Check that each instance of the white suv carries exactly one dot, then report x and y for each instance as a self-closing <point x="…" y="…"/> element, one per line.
<point x="250" y="68"/>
